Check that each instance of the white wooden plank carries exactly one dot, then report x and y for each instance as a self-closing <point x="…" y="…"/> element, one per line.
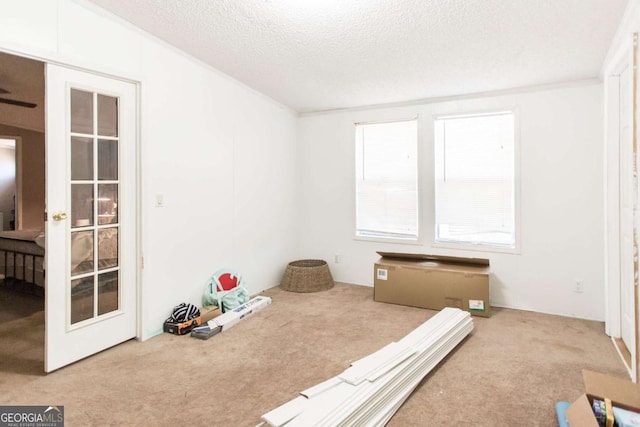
<point x="387" y="383"/>
<point x="373" y="366"/>
<point x="365" y="393"/>
<point x="403" y="389"/>
<point x="446" y="316"/>
<point x="321" y="388"/>
<point x="393" y="397"/>
<point x="392" y="363"/>
<point x="322" y="404"/>
<point x="426" y="330"/>
<point x="374" y="387"/>
<point x="381" y="354"/>
<point x="404" y="386"/>
<point x="285" y="413"/>
<point x="358" y="403"/>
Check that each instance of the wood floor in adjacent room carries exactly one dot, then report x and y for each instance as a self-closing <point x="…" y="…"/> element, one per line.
<point x="510" y="371"/>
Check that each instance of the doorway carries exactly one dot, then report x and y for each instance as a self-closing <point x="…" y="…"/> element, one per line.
<point x="86" y="171"/>
<point x="22" y="194"/>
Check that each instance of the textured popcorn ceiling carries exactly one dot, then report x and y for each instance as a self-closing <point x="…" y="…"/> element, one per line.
<point x="316" y="55"/>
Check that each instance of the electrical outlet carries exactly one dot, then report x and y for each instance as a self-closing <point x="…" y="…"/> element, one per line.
<point x="337" y="258"/>
<point x="579" y="287"/>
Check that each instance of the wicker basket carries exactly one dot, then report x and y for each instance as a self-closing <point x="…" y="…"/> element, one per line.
<point x="307" y="275"/>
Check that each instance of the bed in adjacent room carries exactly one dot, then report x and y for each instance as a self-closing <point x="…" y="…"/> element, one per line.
<point x="22" y="255"/>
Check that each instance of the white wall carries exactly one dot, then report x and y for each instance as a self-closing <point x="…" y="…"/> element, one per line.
<point x="561" y="192"/>
<point x="235" y="183"/>
<point x="222" y="155"/>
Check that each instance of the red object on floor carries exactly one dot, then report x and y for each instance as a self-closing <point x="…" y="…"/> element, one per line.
<point x="228" y="281"/>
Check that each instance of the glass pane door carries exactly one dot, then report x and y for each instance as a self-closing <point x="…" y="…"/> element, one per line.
<point x="91" y="251"/>
<point x="94" y="197"/>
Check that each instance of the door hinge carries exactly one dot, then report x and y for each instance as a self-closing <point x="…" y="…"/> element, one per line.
<point x="45" y="216"/>
<point x="141" y="263"/>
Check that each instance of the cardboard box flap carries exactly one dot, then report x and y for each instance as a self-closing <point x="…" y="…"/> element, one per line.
<point x="581" y="414"/>
<point x="619" y="390"/>
<point x="437" y="258"/>
<point x="426" y="266"/>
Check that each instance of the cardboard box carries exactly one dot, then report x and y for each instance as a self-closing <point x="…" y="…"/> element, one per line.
<point x="181" y="328"/>
<point x="434" y="282"/>
<point x="209" y="312"/>
<point x="622" y="392"/>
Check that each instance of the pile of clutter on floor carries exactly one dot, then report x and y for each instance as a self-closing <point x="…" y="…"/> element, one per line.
<point x="371" y="389"/>
<point x="225" y="303"/>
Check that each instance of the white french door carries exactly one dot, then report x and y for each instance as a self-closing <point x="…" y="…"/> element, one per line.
<point x="91" y="214"/>
<point x="627" y="305"/>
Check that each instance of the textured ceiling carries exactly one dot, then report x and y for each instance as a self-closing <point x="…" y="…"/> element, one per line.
<point x="315" y="55"/>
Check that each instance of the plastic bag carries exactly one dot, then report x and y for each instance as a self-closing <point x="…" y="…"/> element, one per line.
<point x="226" y="290"/>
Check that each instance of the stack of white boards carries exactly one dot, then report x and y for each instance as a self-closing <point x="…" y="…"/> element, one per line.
<point x="371" y="390"/>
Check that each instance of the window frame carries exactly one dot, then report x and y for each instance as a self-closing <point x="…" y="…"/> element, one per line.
<point x="419" y="239"/>
<point x="470" y="246"/>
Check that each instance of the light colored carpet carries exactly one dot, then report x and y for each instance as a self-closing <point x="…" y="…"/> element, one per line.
<point x="509" y="372"/>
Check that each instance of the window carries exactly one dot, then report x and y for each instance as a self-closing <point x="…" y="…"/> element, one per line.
<point x="387" y="180"/>
<point x="475" y="179"/>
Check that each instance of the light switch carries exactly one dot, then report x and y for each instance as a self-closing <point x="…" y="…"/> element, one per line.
<point x="159" y="200"/>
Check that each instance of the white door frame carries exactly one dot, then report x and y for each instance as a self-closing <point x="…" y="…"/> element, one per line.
<point x="613" y="186"/>
<point x="89" y="68"/>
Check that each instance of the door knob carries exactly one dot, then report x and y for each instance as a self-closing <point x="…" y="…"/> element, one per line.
<point x="59" y="216"/>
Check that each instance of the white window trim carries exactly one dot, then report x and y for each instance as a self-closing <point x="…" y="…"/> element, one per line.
<point x="483" y="247"/>
<point x="419" y="240"/>
<point x="409" y="241"/>
<point x="426" y="187"/>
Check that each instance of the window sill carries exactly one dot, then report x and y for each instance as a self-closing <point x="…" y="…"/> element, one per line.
<point x="477" y="247"/>
<point x="416" y="242"/>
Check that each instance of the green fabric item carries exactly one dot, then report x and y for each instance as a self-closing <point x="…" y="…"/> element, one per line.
<point x="226" y="300"/>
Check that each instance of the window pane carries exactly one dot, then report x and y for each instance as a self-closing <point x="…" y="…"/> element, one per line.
<point x="107" y="248"/>
<point x="475" y="177"/>
<point x="81" y="158"/>
<point x="81" y="111"/>
<point x="387" y="180"/>
<point x="81" y="205"/>
<point x="81" y="299"/>
<point x="107" y="204"/>
<point x="107" y="292"/>
<point x="107" y="159"/>
<point x="81" y="252"/>
<point x="107" y="115"/>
